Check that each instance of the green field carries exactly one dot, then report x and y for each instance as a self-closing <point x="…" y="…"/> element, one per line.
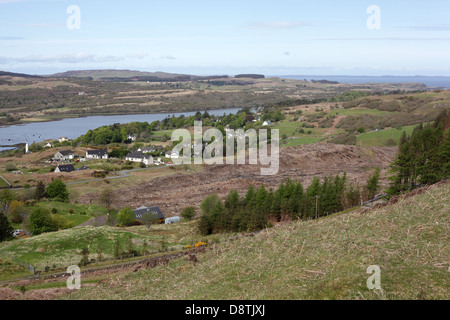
<point x="381" y="137"/>
<point x="58" y="250"/>
<point x="3" y="183"/>
<point x="81" y="213"/>
<point x="356" y="112"/>
<point x="321" y="259"/>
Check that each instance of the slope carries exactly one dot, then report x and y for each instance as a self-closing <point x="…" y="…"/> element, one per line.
<point x="322" y="259"/>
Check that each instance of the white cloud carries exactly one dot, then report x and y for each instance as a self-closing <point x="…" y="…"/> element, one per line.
<point x="71" y="58"/>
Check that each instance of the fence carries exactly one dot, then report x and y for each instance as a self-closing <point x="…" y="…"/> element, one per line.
<point x="7" y="182"/>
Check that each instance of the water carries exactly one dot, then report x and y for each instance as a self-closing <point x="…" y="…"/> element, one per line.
<point x="432" y="82"/>
<point x="75" y="127"/>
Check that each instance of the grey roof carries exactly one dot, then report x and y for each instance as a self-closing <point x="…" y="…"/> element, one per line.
<point x="139" y="212"/>
<point x="66" y="152"/>
<point x="66" y="168"/>
<point x="99" y="152"/>
<point x="138" y="155"/>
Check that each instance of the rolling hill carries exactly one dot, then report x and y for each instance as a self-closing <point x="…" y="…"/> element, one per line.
<point x="322" y="259"/>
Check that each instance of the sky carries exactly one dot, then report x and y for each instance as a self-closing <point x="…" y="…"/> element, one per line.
<point x="278" y="37"/>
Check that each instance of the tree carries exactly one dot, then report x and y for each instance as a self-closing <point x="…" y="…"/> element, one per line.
<point x="149" y="218"/>
<point x="209" y="216"/>
<point x="373" y="184"/>
<point x="106" y="198"/>
<point x="126" y="217"/>
<point x="40" y="221"/>
<point x="6" y="197"/>
<point x="57" y="190"/>
<point x="5" y="228"/>
<point x="188" y="213"/>
<point x="353" y="195"/>
<point x="39" y="192"/>
<point x="84" y="256"/>
<point x="100" y="248"/>
<point x="117" y="249"/>
<point x="17" y="211"/>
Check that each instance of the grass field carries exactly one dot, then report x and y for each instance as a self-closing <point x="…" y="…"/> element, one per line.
<point x="81" y="213"/>
<point x="58" y="250"/>
<point x="380" y="138"/>
<point x="321" y="259"/>
<point x="3" y="183"/>
<point x="356" y="112"/>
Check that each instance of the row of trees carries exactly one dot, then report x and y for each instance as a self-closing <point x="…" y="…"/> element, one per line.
<point x="118" y="133"/>
<point x="291" y="201"/>
<point x="424" y="157"/>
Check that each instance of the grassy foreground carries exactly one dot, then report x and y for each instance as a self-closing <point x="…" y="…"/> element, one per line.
<point x="322" y="259"/>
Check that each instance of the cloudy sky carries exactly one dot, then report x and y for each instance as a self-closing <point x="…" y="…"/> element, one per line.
<point x="277" y="37"/>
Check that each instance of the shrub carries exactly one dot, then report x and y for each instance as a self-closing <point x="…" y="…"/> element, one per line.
<point x="188" y="213"/>
<point x="126" y="217"/>
<point x="10" y="167"/>
<point x="57" y="190"/>
<point x="41" y="221"/>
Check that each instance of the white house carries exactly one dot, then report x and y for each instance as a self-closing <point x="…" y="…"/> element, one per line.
<point x="64" y="155"/>
<point x="62" y="139"/>
<point x="137" y="156"/>
<point x="97" y="154"/>
<point x="172" y="155"/>
<point x="131" y="137"/>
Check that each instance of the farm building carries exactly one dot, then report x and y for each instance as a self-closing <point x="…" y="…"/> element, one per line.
<point x="139" y="212"/>
<point x="64" y="168"/>
<point x="97" y="154"/>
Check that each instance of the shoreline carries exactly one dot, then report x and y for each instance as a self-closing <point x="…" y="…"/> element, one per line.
<point x="78" y="116"/>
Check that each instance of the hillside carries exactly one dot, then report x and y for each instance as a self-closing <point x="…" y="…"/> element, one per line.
<point x="323" y="259"/>
<point x="320" y="259"/>
<point x="103" y="92"/>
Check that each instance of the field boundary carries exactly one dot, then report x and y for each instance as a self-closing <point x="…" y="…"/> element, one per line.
<point x="7" y="182"/>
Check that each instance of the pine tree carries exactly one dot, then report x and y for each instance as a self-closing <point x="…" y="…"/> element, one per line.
<point x="5" y="228"/>
<point x="39" y="192"/>
<point x="373" y="184"/>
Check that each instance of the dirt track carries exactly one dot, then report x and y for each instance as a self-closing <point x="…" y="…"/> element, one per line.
<point x="173" y="193"/>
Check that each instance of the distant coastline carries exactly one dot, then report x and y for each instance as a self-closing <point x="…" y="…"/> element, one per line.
<point x="429" y="81"/>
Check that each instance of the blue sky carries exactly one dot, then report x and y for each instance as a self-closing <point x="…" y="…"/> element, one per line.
<point x="281" y="37"/>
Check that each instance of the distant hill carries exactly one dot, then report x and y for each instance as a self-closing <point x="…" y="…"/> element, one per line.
<point x="22" y="75"/>
<point x="131" y="75"/>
